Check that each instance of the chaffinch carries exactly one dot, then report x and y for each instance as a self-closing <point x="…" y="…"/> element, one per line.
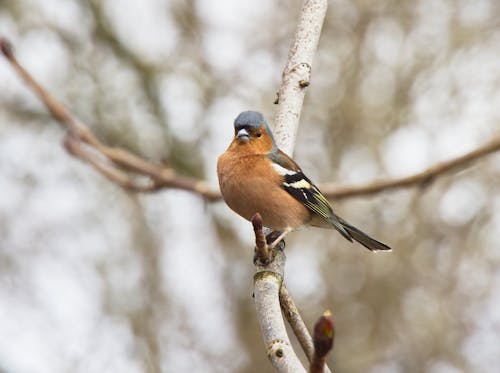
<point x="256" y="176"/>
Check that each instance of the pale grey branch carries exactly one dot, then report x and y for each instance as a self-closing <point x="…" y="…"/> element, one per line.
<point x="297" y="73"/>
<point x="268" y="278"/>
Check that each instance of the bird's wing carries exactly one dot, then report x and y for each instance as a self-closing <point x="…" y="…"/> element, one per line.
<point x="300" y="186"/>
<point x="303" y="190"/>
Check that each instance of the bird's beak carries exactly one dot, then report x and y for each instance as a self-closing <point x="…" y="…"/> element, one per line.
<point x="243" y="135"/>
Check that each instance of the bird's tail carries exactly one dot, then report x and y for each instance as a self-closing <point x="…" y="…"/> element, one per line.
<point x="352" y="233"/>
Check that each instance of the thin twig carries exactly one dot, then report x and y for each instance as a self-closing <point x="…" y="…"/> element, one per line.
<point x="298" y="326"/>
<point x="105" y="167"/>
<point x="261" y="248"/>
<point x="295" y="320"/>
<point x="423" y="178"/>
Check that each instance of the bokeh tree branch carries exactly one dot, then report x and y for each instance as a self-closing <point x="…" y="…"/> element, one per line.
<point x="138" y="174"/>
<point x="422" y="179"/>
<point x="117" y="164"/>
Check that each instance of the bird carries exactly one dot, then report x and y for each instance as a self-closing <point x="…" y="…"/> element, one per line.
<point x="255" y="176"/>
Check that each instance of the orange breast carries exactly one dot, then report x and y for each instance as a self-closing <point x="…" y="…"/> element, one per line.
<point x="249" y="184"/>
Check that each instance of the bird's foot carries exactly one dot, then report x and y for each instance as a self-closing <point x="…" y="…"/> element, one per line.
<point x="275" y="239"/>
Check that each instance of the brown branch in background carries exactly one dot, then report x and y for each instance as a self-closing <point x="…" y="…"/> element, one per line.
<point x="423" y="178"/>
<point x="118" y="165"/>
<point x="122" y="167"/>
<point x="86" y="153"/>
<point x="323" y="336"/>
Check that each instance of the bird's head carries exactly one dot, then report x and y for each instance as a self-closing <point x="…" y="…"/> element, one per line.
<point x="251" y="130"/>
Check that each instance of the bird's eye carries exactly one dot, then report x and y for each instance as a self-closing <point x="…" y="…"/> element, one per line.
<point x="259" y="134"/>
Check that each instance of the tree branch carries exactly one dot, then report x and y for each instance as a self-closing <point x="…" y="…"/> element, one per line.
<point x="261" y="248"/>
<point x="267" y="283"/>
<point x="295" y="321"/>
<point x="298" y="326"/>
<point x="297" y="73"/>
<point x="423" y="178"/>
<point x="268" y="277"/>
<point x="117" y="164"/>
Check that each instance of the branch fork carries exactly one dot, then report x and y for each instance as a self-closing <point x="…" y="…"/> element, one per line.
<point x="269" y="289"/>
<point x="272" y="298"/>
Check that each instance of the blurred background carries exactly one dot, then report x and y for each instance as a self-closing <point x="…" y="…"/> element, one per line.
<point x="94" y="278"/>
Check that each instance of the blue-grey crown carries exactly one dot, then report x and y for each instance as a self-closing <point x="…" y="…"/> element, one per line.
<point x="252" y="120"/>
<point x="249" y="119"/>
